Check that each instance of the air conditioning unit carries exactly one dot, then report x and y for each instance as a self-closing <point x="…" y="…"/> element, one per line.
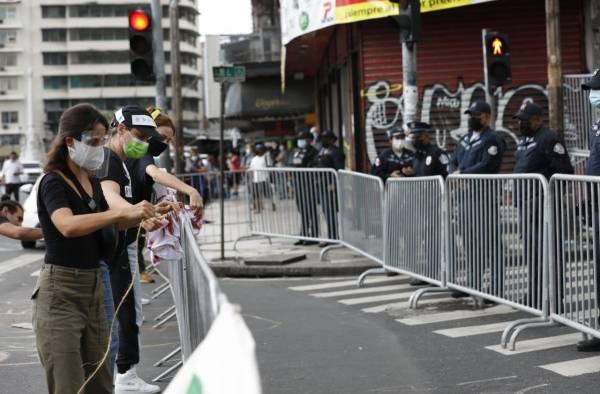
<point x="5" y="126"/>
<point x="1" y="21"/>
<point x="2" y="92"/>
<point x="1" y="45"/>
<point x="2" y="68"/>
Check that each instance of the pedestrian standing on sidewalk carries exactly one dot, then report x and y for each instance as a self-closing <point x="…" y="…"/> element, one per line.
<point x="261" y="188"/>
<point x="593" y="168"/>
<point x="304" y="190"/>
<point x="133" y="127"/>
<point x="69" y="315"/>
<point x="11" y="174"/>
<point x="144" y="174"/>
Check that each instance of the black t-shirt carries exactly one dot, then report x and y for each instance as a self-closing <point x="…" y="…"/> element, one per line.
<point x="117" y="172"/>
<point x="3" y="219"/>
<point x="81" y="252"/>
<point x="142" y="183"/>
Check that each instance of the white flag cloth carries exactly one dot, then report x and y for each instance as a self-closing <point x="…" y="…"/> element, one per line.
<point x="224" y="363"/>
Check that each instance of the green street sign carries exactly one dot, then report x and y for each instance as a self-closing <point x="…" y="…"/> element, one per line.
<point x="229" y="74"/>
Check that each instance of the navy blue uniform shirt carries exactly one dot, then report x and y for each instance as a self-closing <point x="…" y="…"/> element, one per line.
<point x="483" y="153"/>
<point x="388" y="161"/>
<point x="543" y="153"/>
<point x="431" y="161"/>
<point x="459" y="152"/>
<point x="593" y="167"/>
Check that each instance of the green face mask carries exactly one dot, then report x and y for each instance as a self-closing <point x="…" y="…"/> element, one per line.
<point x="136" y="148"/>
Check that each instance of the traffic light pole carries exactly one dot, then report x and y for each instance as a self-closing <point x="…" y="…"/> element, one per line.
<point x="410" y="93"/>
<point x="222" y="169"/>
<point x="159" y="70"/>
<point x="490" y="96"/>
<point x="177" y="102"/>
<point x="555" y="91"/>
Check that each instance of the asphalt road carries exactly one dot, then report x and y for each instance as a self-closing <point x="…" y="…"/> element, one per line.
<point x="340" y="341"/>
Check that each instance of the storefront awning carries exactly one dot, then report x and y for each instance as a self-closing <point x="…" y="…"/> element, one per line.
<point x="262" y="98"/>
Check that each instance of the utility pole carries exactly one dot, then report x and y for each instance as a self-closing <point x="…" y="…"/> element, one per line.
<point x="222" y="169"/>
<point x="176" y="99"/>
<point x="410" y="93"/>
<point x="159" y="70"/>
<point x="555" y="91"/>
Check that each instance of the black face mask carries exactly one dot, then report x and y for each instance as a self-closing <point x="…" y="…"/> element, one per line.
<point x="419" y="145"/>
<point x="475" y="124"/>
<point x="156" y="148"/>
<point x="524" y="128"/>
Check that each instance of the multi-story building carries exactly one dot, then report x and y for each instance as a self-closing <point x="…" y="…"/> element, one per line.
<point x="80" y="53"/>
<point x="13" y="73"/>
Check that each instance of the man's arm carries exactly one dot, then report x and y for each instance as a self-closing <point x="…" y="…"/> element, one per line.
<point x="20" y="233"/>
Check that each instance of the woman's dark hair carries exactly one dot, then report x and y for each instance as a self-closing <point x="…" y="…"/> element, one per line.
<point x="72" y="123"/>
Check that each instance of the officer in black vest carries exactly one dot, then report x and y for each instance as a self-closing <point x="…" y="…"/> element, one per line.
<point x="395" y="161"/>
<point x="593" y="168"/>
<point x="305" y="190"/>
<point x="329" y="156"/>
<point x="429" y="159"/>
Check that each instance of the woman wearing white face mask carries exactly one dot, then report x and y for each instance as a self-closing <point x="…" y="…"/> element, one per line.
<point x="397" y="161"/>
<point x="69" y="316"/>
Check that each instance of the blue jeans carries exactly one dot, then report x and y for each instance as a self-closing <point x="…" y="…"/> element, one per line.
<point x="109" y="307"/>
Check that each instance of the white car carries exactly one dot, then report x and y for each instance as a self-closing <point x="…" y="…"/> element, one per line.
<point x="32" y="169"/>
<point x="30" y="213"/>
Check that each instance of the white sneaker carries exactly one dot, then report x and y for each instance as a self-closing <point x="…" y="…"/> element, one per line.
<point x="145" y="301"/>
<point x="129" y="382"/>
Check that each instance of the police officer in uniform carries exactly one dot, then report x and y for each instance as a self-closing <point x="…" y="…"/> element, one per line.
<point x="397" y="160"/>
<point x="480" y="152"/>
<point x="305" y="192"/>
<point x="429" y="159"/>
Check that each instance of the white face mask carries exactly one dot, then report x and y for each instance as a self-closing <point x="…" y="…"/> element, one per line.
<point x="408" y="144"/>
<point x="302" y="144"/>
<point x="89" y="157"/>
<point x="595" y="98"/>
<point x="398" y="145"/>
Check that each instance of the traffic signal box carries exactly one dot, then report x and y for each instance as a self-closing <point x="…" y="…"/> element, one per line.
<point x="141" y="52"/>
<point x="409" y="19"/>
<point x="497" y="59"/>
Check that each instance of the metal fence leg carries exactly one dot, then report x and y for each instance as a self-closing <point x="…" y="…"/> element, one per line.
<point x="372" y="271"/>
<point x="518" y="330"/>
<point x="164" y="290"/>
<point x="163" y="314"/>
<point x="167" y="357"/>
<point x="247" y="237"/>
<point x="172" y="315"/>
<point x="326" y="250"/>
<point x="413" y="301"/>
<point x="160" y="288"/>
<point x="163" y="375"/>
<point x="507" y="331"/>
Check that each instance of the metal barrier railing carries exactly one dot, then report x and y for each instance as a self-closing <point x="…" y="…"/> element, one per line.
<point x="497" y="227"/>
<point x="575" y="250"/>
<point x="297" y="203"/>
<point x="237" y="217"/>
<point x="579" y="114"/>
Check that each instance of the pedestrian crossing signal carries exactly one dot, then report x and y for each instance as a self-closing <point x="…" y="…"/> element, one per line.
<point x="141" y="53"/>
<point x="497" y="59"/>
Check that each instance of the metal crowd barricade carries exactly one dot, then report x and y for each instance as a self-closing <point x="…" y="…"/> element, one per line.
<point x="361" y="217"/>
<point x="196" y="295"/>
<point x="497" y="230"/>
<point x="415" y="231"/>
<point x="574" y="252"/>
<point x="579" y="114"/>
<point x="296" y="203"/>
<point x="237" y="222"/>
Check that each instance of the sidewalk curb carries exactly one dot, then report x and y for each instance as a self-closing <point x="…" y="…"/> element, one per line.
<point x="230" y="270"/>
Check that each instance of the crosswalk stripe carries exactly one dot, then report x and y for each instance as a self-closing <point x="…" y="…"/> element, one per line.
<point x="455" y="315"/>
<point x="386" y="297"/>
<point x="346" y="283"/>
<point x="534" y="345"/>
<point x="367" y="290"/>
<point x="460" y="332"/>
<point x="404" y="305"/>
<point x="577" y="367"/>
<point x="20" y="261"/>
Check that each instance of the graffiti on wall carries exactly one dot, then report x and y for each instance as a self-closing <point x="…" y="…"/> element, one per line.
<point x="443" y="109"/>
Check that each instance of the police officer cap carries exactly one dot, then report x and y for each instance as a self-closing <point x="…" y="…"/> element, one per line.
<point x="528" y="110"/>
<point x="594" y="83"/>
<point x="418" y="127"/>
<point x="327" y="134"/>
<point x="479" y="107"/>
<point x="394" y="130"/>
<point x="305" y="135"/>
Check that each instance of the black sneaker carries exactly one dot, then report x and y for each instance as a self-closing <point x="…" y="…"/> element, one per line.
<point x="299" y="243"/>
<point x="417" y="282"/>
<point x="308" y="243"/>
<point x="590" y="345"/>
<point x="458" y="294"/>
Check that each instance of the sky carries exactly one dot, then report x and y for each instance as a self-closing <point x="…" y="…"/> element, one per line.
<point x="225" y="17"/>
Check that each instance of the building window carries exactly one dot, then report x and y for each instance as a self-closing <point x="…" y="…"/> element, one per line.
<point x="54" y="35"/>
<point x="8" y="12"/>
<point x="97" y="10"/>
<point x="99" y="57"/>
<point x="53" y="11"/>
<point x="8" y="37"/>
<point x="9" y="117"/>
<point x="8" y="59"/>
<point x="55" y="82"/>
<point x="110" y="80"/>
<point x="55" y="58"/>
<point x="10" y="139"/>
<point x="112" y="34"/>
<point x="7" y="84"/>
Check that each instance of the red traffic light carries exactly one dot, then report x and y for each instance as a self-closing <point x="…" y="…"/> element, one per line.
<point x="139" y="20"/>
